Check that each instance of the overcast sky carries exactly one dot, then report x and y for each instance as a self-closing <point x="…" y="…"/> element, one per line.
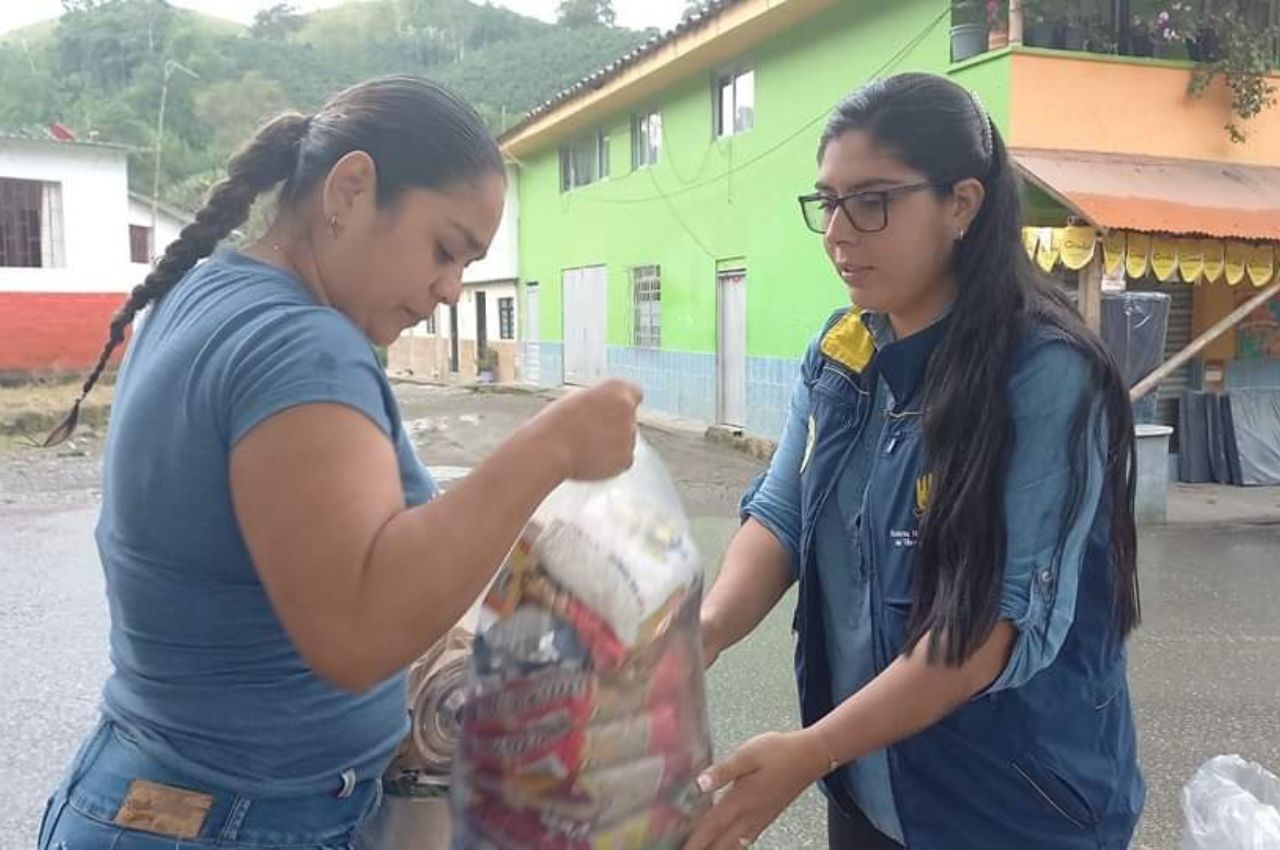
<point x="631" y="13"/>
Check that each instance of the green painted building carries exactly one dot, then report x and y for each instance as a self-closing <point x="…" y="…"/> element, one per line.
<point x="660" y="237"/>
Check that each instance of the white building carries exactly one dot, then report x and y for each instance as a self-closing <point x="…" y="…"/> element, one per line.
<point x="451" y="345"/>
<point x="71" y="242"/>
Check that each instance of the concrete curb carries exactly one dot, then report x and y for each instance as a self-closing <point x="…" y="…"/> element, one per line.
<point x="760" y="448"/>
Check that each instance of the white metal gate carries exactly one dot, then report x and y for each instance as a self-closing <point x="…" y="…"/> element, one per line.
<point x="731" y="347"/>
<point x="585" y="322"/>
<point x="532" y="335"/>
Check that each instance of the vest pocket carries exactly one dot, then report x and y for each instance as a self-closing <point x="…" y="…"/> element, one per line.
<point x="1056" y="792"/>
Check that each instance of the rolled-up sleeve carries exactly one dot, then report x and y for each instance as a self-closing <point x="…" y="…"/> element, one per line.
<point x="1039" y="590"/>
<point x="774" y="499"/>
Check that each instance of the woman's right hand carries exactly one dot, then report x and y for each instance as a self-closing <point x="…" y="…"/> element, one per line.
<point x="593" y="430"/>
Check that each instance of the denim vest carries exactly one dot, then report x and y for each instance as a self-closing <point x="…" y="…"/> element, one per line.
<point x="1050" y="762"/>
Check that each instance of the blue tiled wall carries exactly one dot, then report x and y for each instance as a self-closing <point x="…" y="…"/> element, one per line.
<point x="550" y="363"/>
<point x="675" y="382"/>
<point x="682" y="383"/>
<point x="1252" y="374"/>
<point x="769" y="384"/>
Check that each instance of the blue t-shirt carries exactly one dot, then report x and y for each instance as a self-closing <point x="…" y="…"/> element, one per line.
<point x="206" y="679"/>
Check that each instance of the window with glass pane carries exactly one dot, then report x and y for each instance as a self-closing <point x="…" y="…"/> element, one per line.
<point x="584" y="161"/>
<point x="31" y="224"/>
<point x="735" y="103"/>
<point x="646" y="296"/>
<point x="506" y="318"/>
<point x="646" y="139"/>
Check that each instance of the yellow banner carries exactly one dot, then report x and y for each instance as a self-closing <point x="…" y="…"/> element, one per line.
<point x="1137" y="255"/>
<point x="1079" y="244"/>
<point x="1031" y="240"/>
<point x="1191" y="259"/>
<point x="1113" y="251"/>
<point x="1262" y="265"/>
<point x="1215" y="259"/>
<point x="1050" y="248"/>
<point x="1237" y="262"/>
<point x="1164" y="258"/>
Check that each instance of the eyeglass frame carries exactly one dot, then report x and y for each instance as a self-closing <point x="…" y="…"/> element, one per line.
<point x="885" y="196"/>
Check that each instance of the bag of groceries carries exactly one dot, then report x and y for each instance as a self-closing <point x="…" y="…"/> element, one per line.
<point x="584" y="723"/>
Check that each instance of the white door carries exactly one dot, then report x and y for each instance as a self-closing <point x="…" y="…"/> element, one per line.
<point x="731" y="347"/>
<point x="585" y="320"/>
<point x="532" y="335"/>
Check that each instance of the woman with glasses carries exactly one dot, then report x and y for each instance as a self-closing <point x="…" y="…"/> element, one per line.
<point x="953" y="494"/>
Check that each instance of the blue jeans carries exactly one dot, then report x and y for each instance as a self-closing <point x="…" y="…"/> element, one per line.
<point x="82" y="813"/>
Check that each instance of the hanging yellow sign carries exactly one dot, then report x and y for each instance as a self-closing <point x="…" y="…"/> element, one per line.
<point x="1215" y="259"/>
<point x="1191" y="259"/>
<point x="1164" y="258"/>
<point x="1031" y="240"/>
<point x="1113" y="252"/>
<point x="1137" y="255"/>
<point x="1262" y="265"/>
<point x="1050" y="248"/>
<point x="1237" y="262"/>
<point x="1079" y="244"/>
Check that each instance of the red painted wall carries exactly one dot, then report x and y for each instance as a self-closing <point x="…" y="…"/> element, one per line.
<point x="42" y="333"/>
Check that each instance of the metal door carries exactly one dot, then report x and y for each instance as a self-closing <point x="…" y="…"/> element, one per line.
<point x="585" y="321"/>
<point x="731" y="347"/>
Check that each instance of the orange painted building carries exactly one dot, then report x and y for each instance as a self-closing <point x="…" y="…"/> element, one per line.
<point x="1119" y="143"/>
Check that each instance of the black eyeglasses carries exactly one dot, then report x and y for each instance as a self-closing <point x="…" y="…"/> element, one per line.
<point x="868" y="212"/>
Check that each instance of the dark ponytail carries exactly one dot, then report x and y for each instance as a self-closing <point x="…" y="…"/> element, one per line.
<point x="940" y="129"/>
<point x="416" y="132"/>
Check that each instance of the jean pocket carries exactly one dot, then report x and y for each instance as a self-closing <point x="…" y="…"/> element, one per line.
<point x="1057" y="792"/>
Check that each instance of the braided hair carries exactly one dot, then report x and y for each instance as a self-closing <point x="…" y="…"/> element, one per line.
<point x="417" y="133"/>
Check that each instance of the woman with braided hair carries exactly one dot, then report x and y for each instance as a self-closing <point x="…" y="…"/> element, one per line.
<point x="953" y="494"/>
<point x="275" y="555"/>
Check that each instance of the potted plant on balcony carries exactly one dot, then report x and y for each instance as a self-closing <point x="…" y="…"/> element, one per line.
<point x="1041" y="19"/>
<point x="968" y="29"/>
<point x="1169" y="28"/>
<point x="1073" y="32"/>
<point x="1245" y="49"/>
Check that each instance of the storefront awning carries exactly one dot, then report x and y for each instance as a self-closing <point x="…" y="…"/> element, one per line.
<point x="1117" y="191"/>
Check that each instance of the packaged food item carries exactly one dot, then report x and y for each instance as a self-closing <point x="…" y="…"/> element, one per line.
<point x="584" y="725"/>
<point x="526" y="641"/>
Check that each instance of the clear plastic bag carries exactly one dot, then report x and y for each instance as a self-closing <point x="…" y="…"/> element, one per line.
<point x="585" y="726"/>
<point x="1232" y="804"/>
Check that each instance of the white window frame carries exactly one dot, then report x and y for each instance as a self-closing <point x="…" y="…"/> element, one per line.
<point x="646" y="139"/>
<point x="734" y="91"/>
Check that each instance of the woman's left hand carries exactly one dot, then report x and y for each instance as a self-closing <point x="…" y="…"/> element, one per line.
<point x="766" y="774"/>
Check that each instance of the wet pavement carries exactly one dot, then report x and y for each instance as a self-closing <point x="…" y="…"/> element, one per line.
<point x="1205" y="668"/>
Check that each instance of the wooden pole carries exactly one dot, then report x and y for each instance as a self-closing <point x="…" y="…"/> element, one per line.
<point x="1089" y="289"/>
<point x="1175" y="362"/>
<point x="1015" y="21"/>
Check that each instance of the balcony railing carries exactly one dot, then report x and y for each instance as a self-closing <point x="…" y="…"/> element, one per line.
<point x="1185" y="30"/>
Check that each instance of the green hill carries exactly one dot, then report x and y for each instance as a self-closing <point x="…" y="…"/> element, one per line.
<point x="100" y="69"/>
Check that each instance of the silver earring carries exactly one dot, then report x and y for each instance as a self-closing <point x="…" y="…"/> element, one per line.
<point x="333" y="224"/>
